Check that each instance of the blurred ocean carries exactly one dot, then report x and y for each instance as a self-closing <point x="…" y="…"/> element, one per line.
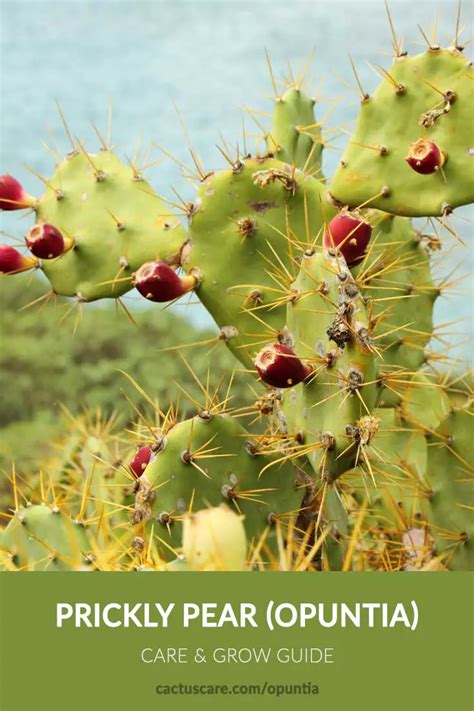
<point x="205" y="57"/>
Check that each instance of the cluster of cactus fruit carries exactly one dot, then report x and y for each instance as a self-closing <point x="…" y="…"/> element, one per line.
<point x="357" y="454"/>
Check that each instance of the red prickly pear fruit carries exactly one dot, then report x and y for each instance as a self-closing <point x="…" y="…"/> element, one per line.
<point x="350" y="235"/>
<point x="46" y="241"/>
<point x="12" y="261"/>
<point x="12" y="195"/>
<point x="278" y="366"/>
<point x="157" y="281"/>
<point x="140" y="461"/>
<point x="425" y="157"/>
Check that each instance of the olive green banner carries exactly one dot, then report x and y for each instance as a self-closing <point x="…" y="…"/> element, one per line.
<point x="99" y="641"/>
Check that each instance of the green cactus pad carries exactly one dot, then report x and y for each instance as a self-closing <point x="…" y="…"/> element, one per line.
<point x="295" y="135"/>
<point x="398" y="454"/>
<point x="397" y="458"/>
<point x="249" y="229"/>
<point x="449" y="501"/>
<point x="116" y="221"/>
<point x="401" y="111"/>
<point x="44" y="538"/>
<point x="206" y="461"/>
<point x="88" y="468"/>
<point x="395" y="279"/>
<point x="424" y="402"/>
<point x="342" y="390"/>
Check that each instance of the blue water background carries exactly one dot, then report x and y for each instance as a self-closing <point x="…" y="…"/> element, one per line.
<point x="206" y="58"/>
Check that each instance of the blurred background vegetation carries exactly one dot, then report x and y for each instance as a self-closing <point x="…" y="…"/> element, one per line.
<point x="45" y="364"/>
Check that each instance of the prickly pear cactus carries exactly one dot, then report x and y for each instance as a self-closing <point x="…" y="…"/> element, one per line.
<point x="209" y="460"/>
<point x="114" y="220"/>
<point x="40" y="537"/>
<point x="103" y="222"/>
<point x="357" y="453"/>
<point x="328" y="327"/>
<point x="449" y="498"/>
<point x="396" y="282"/>
<point x="396" y="460"/>
<point x="249" y="227"/>
<point x="427" y="97"/>
<point x="295" y="134"/>
<point x="399" y="523"/>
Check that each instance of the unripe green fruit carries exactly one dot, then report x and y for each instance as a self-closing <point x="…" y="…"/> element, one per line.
<point x="214" y="539"/>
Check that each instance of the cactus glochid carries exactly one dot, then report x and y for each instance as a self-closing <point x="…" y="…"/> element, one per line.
<point x="355" y="453"/>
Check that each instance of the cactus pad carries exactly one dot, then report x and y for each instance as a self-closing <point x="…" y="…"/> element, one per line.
<point x="209" y="460"/>
<point x="449" y="501"/>
<point x="295" y="135"/>
<point x="395" y="279"/>
<point x="328" y="326"/>
<point x="115" y="220"/>
<point x="43" y="538"/>
<point x="250" y="226"/>
<point x="425" y="96"/>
